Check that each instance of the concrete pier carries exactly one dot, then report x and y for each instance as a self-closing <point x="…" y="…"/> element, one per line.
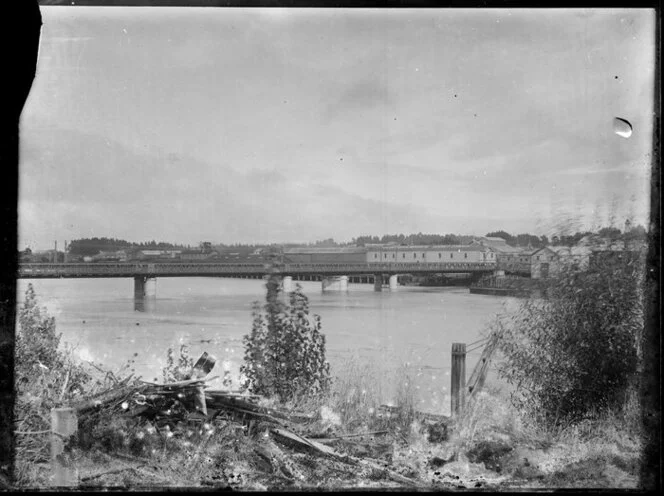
<point x="394" y="282"/>
<point x="378" y="282"/>
<point x="335" y="283"/>
<point x="145" y="293"/>
<point x="287" y="284"/>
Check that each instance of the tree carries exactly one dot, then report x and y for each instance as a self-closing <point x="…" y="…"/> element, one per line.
<point x="637" y="232"/>
<point x="577" y="350"/>
<point x="502" y="234"/>
<point x="610" y="232"/>
<point x="285" y="351"/>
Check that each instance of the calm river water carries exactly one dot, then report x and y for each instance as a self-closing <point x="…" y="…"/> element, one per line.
<point x="414" y="325"/>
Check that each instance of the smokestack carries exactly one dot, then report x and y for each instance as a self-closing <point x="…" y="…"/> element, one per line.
<point x="65" y="256"/>
<point x="55" y="252"/>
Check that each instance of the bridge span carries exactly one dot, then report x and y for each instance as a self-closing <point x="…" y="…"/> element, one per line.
<point x="332" y="276"/>
<point x="203" y="269"/>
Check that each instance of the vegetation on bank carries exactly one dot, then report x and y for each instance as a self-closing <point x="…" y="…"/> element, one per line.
<point x="560" y="412"/>
<point x="576" y="352"/>
<point x="285" y="351"/>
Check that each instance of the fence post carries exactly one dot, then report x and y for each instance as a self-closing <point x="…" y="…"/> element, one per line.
<point x="458" y="377"/>
<point x="64" y="424"/>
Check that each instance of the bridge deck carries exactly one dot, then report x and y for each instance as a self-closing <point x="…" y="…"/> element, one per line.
<point x="129" y="269"/>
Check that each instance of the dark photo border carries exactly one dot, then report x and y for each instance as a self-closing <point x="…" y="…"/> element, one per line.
<point x="21" y="34"/>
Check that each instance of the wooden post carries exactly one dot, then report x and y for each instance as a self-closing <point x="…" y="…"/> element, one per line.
<point x="202" y="368"/>
<point x="458" y="376"/>
<point x="64" y="424"/>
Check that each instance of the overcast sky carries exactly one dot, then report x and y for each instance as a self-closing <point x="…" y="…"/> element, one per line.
<point x="274" y="125"/>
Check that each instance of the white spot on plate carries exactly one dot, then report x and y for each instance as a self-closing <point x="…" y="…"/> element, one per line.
<point x="622" y="127"/>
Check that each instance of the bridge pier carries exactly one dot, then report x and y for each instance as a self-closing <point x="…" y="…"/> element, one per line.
<point x="287" y="284"/>
<point x="378" y="282"/>
<point x="145" y="293"/>
<point x="394" y="282"/>
<point x="335" y="283"/>
<point x="145" y="287"/>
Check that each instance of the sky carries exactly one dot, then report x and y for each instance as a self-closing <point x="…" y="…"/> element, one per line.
<point x="237" y="125"/>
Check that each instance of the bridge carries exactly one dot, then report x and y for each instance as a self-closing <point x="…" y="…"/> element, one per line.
<point x="203" y="269"/>
<point x="333" y="275"/>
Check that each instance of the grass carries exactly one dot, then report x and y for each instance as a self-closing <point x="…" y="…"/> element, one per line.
<point x="491" y="446"/>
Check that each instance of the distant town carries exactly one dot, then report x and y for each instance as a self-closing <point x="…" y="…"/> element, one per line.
<point x="522" y="255"/>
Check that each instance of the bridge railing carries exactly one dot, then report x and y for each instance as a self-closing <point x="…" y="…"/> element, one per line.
<point x="128" y="268"/>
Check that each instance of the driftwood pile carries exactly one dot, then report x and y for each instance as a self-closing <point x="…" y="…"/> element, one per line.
<point x="191" y="400"/>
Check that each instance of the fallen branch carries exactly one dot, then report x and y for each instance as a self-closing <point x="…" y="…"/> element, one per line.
<point x="302" y="443"/>
<point x="390" y="473"/>
<point x="105" y="398"/>
<point x="108" y="472"/>
<point x="478" y="376"/>
<point x="344" y="436"/>
<point x="64" y="386"/>
<point x="188" y="382"/>
<point x="30" y="433"/>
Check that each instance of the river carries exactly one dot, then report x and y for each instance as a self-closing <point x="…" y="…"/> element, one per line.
<point x="413" y="325"/>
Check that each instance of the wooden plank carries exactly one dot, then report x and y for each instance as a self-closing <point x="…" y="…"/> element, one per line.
<point x="299" y="442"/>
<point x="478" y="376"/>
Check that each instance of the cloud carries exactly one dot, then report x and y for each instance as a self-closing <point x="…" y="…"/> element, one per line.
<point x="358" y="96"/>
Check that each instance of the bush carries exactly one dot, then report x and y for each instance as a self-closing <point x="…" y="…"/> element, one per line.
<point x="42" y="369"/>
<point x="177" y="369"/>
<point x="576" y="352"/>
<point x="46" y="377"/>
<point x="285" y="351"/>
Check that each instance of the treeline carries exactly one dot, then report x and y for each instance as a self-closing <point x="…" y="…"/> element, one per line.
<point x="92" y="246"/>
<point x="637" y="232"/>
<point x="521" y="239"/>
<point x="414" y="239"/>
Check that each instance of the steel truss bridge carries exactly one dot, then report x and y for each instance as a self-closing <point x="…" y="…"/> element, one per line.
<point x="176" y="269"/>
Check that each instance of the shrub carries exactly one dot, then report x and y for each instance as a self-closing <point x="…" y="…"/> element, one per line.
<point x="42" y="369"/>
<point x="576" y="352"/>
<point x="177" y="369"/>
<point x="46" y="377"/>
<point x="285" y="351"/>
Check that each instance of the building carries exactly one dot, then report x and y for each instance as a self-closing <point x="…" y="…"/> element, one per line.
<point x="544" y="263"/>
<point x="498" y="245"/>
<point x="393" y="253"/>
<point x="109" y="256"/>
<point x="575" y="257"/>
<point x="25" y="255"/>
<point x="199" y="255"/>
<point x="518" y="263"/>
<point x="336" y="254"/>
<point x="157" y="254"/>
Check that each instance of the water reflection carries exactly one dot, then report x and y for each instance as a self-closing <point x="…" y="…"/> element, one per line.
<point x="148" y="305"/>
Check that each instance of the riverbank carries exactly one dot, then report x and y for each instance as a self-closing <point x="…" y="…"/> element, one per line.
<point x="367" y="431"/>
<point x="358" y="444"/>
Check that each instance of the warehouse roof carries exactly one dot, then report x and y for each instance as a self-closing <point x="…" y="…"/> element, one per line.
<point x="432" y="248"/>
<point x="331" y="249"/>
